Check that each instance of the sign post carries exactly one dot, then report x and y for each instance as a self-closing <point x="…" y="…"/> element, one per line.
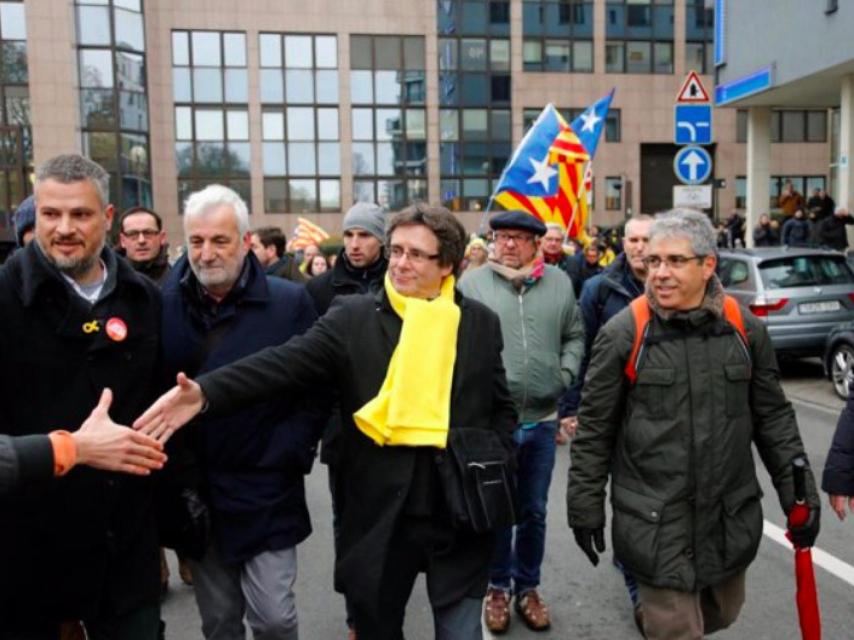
<point x="692" y="126"/>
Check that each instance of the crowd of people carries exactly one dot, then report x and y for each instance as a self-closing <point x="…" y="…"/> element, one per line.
<point x="816" y="223"/>
<point x="434" y="374"/>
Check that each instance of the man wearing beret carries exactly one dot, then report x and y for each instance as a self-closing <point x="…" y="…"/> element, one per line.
<point x="543" y="345"/>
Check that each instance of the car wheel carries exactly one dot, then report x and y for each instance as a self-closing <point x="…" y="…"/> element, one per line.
<point x="842" y="369"/>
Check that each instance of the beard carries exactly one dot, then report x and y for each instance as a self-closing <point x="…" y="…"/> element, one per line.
<point x="74" y="267"/>
<point x="219" y="276"/>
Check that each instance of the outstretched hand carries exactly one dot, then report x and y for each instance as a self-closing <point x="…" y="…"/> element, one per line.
<point x="172" y="410"/>
<point x="103" y="444"/>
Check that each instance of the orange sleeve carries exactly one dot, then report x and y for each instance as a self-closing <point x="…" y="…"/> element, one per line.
<point x="64" y="452"/>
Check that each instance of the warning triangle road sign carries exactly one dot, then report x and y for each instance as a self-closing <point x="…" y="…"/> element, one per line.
<point x="692" y="90"/>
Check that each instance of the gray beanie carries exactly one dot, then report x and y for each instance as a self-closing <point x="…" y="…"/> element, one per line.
<point x="367" y="216"/>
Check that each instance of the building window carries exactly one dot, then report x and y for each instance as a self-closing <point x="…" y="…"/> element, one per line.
<point x="612" y="121"/>
<point x="558" y="36"/>
<point x="16" y="137"/>
<point x="211" y="95"/>
<point x="301" y="146"/>
<point x="741" y="192"/>
<point x="699" y="35"/>
<point x="613" y="194"/>
<point x="789" y="125"/>
<point x="113" y="95"/>
<point x="387" y="88"/>
<point x="639" y="36"/>
<point x="474" y="99"/>
<point x="804" y="185"/>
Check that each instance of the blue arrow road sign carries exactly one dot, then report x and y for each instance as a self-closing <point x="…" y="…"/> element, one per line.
<point x="693" y="124"/>
<point x="693" y="165"/>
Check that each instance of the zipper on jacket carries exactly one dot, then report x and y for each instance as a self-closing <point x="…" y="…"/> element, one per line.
<point x="524" y="354"/>
<point x="692" y="468"/>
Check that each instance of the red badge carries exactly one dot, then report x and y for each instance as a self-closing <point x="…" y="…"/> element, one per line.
<point x="117" y="329"/>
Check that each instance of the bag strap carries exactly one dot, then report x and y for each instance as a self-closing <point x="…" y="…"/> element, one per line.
<point x="641" y="314"/>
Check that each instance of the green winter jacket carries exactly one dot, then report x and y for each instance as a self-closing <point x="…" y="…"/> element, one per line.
<point x="543" y="335"/>
<point x="684" y="492"/>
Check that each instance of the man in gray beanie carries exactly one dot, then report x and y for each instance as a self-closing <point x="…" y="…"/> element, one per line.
<point x="25" y="221"/>
<point x="360" y="268"/>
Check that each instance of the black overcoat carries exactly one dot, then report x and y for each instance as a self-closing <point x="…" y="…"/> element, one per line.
<point x="83" y="545"/>
<point x="349" y="349"/>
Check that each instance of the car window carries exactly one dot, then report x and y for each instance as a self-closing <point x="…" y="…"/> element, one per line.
<point x="805" y="271"/>
<point x="734" y="274"/>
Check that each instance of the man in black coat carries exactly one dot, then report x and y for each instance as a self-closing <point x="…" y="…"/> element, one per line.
<point x="361" y="265"/>
<point x="395" y="520"/>
<point x="838" y="477"/>
<point x="142" y="241"/>
<point x="832" y="232"/>
<point x="76" y="319"/>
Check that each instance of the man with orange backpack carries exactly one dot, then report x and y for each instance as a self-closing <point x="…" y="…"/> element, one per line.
<point x="680" y="384"/>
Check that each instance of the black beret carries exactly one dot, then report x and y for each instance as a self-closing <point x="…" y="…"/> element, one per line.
<point x="518" y="220"/>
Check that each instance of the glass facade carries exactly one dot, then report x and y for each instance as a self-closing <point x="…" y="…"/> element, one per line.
<point x="558" y="36"/>
<point x="113" y="100"/>
<point x="612" y="131"/>
<point x="699" y="35"/>
<point x="789" y="125"/>
<point x="388" y="120"/>
<point x="474" y="99"/>
<point x="211" y="95"/>
<point x="300" y="130"/>
<point x="639" y="36"/>
<point x="16" y="138"/>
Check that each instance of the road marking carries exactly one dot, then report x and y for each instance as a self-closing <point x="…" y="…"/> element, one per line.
<point x="829" y="563"/>
<point x="815" y="405"/>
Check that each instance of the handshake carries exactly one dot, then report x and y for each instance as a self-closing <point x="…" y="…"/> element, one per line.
<point x="103" y="444"/>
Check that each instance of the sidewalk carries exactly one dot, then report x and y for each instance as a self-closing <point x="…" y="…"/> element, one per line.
<point x="804" y="381"/>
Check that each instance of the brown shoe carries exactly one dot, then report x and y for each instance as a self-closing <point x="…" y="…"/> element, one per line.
<point x="185" y="572"/>
<point x="497" y="610"/>
<point x="533" y="610"/>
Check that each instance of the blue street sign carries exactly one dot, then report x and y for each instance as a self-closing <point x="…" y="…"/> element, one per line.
<point x="693" y="124"/>
<point x="693" y="165"/>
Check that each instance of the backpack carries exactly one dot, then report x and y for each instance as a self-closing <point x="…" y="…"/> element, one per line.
<point x="641" y="314"/>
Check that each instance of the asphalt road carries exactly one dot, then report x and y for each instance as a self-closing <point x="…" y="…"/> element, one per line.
<point x="588" y="603"/>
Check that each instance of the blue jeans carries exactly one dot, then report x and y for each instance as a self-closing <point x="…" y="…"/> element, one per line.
<point x="520" y="562"/>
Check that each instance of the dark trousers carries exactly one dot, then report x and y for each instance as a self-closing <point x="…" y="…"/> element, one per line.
<point x="140" y="624"/>
<point x="337" y="508"/>
<point x="414" y="546"/>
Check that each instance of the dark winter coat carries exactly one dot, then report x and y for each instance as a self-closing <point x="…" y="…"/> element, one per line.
<point x="252" y="461"/>
<point x="86" y="545"/>
<point x="580" y="271"/>
<point x="602" y="297"/>
<point x="349" y="349"/>
<point x="765" y="236"/>
<point x="832" y="232"/>
<point x="343" y="280"/>
<point x="286" y="267"/>
<point x="23" y="460"/>
<point x="677" y="445"/>
<point x="157" y="269"/>
<point x="838" y="478"/>
<point x="796" y="232"/>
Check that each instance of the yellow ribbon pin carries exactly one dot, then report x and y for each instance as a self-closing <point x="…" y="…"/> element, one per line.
<point x="91" y="327"/>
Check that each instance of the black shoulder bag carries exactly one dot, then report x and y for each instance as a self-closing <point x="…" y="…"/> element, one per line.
<point x="478" y="480"/>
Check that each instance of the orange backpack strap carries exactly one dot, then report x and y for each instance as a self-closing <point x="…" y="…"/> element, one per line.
<point x="732" y="313"/>
<point x="641" y="314"/>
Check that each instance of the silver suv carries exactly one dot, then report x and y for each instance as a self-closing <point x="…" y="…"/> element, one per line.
<point x="800" y="294"/>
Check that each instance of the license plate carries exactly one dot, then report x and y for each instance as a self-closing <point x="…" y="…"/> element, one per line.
<point x="819" y="307"/>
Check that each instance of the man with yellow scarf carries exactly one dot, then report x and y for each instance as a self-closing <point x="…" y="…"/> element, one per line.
<point x="410" y="362"/>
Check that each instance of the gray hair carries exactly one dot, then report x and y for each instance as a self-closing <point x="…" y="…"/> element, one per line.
<point x="554" y="226"/>
<point x="72" y="167"/>
<point x="686" y="223"/>
<point x="216" y="195"/>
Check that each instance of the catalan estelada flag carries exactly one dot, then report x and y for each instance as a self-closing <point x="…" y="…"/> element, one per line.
<point x="306" y="233"/>
<point x="549" y="174"/>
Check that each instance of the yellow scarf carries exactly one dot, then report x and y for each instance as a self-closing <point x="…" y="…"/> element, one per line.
<point x="413" y="406"/>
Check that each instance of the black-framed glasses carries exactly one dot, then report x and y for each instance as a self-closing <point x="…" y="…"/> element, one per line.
<point x="148" y="234"/>
<point x="518" y="238"/>
<point x="415" y="256"/>
<point x="672" y="262"/>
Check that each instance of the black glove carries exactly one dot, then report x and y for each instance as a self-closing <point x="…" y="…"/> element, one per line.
<point x="804" y="535"/>
<point x="587" y="538"/>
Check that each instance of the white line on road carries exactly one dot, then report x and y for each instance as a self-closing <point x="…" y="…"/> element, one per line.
<point x="823" y="559"/>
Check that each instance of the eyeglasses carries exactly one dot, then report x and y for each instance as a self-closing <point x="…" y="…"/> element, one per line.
<point x="413" y="255"/>
<point x="518" y="238"/>
<point x="148" y="234"/>
<point x="672" y="262"/>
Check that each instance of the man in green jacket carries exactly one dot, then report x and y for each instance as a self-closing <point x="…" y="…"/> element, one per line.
<point x="677" y="443"/>
<point x="543" y="345"/>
